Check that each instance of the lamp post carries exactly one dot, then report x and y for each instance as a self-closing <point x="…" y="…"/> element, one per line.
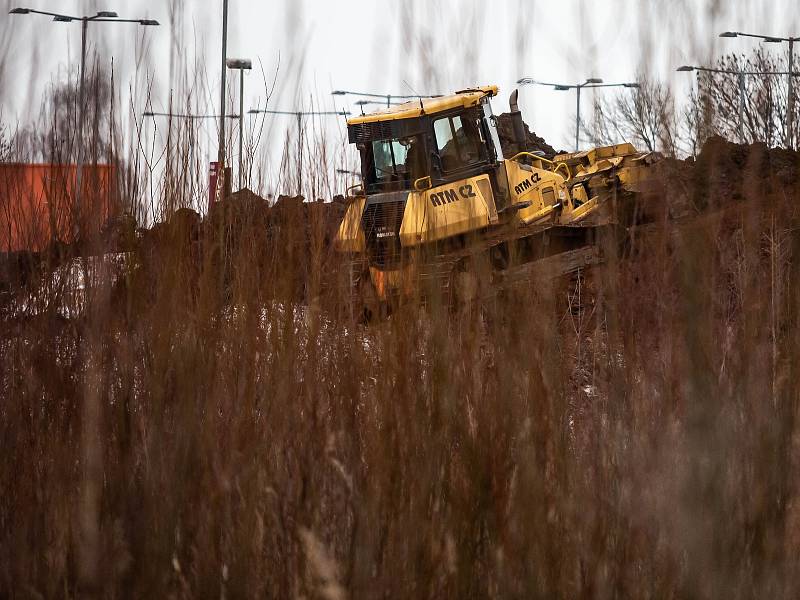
<point x="213" y="188"/>
<point x="299" y="114"/>
<point x="362" y="103"/>
<point x="241" y="64"/>
<point x="185" y="115"/>
<point x="103" y="16"/>
<point x="91" y="445"/>
<point x="387" y="97"/>
<point x="368" y="102"/>
<point x="349" y="172"/>
<point x="740" y="75"/>
<point x="790" y="85"/>
<point x="589" y="83"/>
<point x="223" y="71"/>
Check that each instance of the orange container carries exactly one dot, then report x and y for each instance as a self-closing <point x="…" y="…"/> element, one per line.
<point x="38" y="204"/>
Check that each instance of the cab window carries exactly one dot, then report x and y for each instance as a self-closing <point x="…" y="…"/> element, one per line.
<point x="390" y="157"/>
<point x="394" y="163"/>
<point x="460" y="141"/>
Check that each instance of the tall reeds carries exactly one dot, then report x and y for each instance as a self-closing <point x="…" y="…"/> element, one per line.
<point x="208" y="416"/>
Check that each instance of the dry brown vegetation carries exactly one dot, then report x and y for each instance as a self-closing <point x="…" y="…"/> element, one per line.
<point x="213" y="420"/>
<point x="200" y="427"/>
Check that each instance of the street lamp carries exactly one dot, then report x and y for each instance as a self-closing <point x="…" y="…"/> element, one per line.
<point x="103" y="16"/>
<point x="241" y="64"/>
<point x="185" y="115"/>
<point x="740" y="79"/>
<point x="367" y="102"/>
<point x="592" y="82"/>
<point x="348" y="172"/>
<point x="298" y="114"/>
<point x="388" y="97"/>
<point x="88" y="561"/>
<point x="740" y="75"/>
<point x="362" y="103"/>
<point x="790" y="86"/>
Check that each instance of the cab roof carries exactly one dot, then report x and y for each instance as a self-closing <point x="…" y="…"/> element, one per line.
<point x="426" y="106"/>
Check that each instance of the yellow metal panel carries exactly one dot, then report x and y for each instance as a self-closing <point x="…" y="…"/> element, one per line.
<point x="426" y="106"/>
<point x="350" y="236"/>
<point x="595" y="154"/>
<point x="605" y="164"/>
<point x="446" y="211"/>
<point x="526" y="184"/>
<point x="486" y="191"/>
<point x="632" y="178"/>
<point x="570" y="215"/>
<point x="414" y="218"/>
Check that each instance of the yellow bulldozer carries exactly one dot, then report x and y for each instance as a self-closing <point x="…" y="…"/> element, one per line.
<point x="441" y="210"/>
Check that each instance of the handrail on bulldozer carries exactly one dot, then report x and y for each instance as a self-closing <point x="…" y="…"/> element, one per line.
<point x="556" y="166"/>
<point x="352" y="187"/>
<point x="418" y="184"/>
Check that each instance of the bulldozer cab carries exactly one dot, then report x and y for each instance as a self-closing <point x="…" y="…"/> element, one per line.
<point x="433" y="174"/>
<point x="427" y="143"/>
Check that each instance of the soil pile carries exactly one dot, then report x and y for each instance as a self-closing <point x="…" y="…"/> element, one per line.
<point x="723" y="174"/>
<point x="533" y="142"/>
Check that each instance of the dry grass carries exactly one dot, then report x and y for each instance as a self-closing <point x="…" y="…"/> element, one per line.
<point x="628" y="433"/>
<point x="215" y="422"/>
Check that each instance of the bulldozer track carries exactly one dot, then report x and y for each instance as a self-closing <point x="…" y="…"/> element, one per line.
<point x="436" y="275"/>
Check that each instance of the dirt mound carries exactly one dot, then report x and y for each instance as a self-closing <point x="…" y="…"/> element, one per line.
<point x="533" y="142"/>
<point x="291" y="236"/>
<point x="725" y="172"/>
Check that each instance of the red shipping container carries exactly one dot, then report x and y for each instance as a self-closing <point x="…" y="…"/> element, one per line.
<point x="38" y="204"/>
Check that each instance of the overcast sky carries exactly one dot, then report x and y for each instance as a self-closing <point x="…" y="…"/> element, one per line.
<point x="383" y="46"/>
